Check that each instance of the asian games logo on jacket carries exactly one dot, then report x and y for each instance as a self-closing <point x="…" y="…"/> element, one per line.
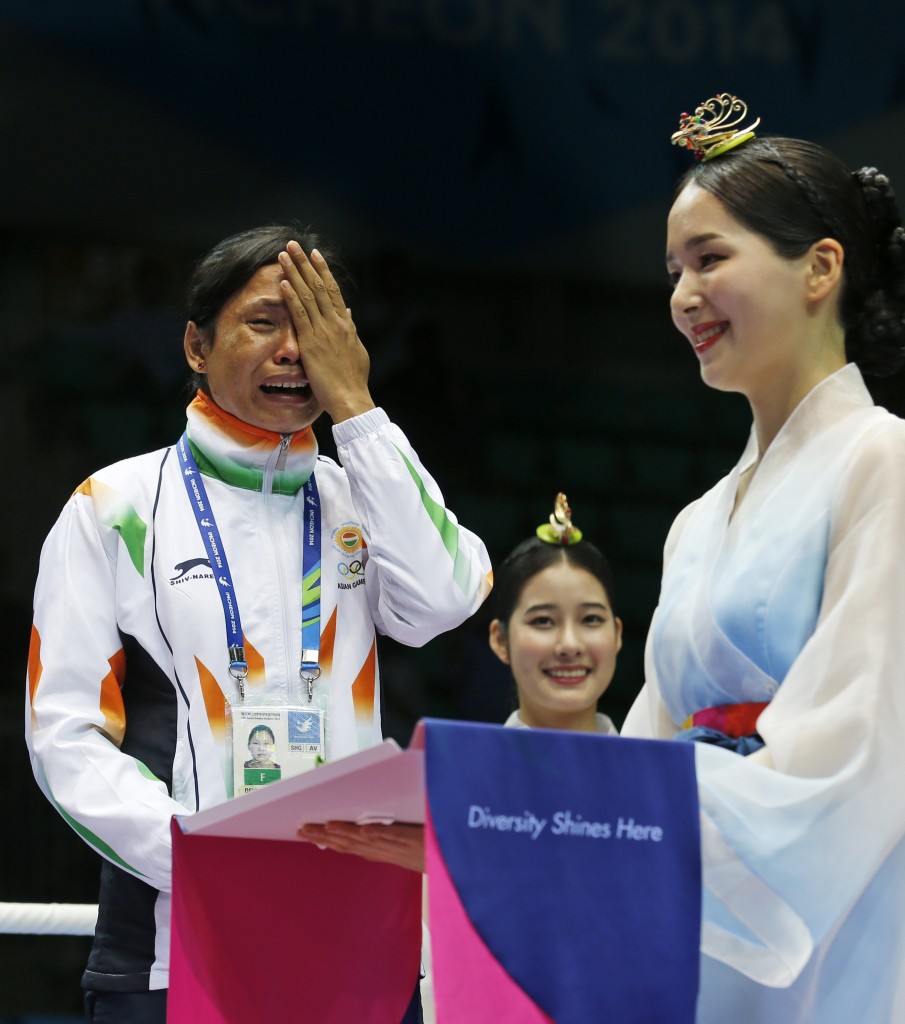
<point x="348" y="541"/>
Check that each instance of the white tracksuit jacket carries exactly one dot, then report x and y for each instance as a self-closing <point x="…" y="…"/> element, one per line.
<point x="128" y="669"/>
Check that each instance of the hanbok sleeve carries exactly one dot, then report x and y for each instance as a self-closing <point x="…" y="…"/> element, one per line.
<point x="790" y="848"/>
<point x="648" y="717"/>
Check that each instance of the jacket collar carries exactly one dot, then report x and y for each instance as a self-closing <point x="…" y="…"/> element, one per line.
<point x="228" y="449"/>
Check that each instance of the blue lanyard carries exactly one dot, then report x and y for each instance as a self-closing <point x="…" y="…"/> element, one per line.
<point x="311" y="587"/>
<point x="311" y="573"/>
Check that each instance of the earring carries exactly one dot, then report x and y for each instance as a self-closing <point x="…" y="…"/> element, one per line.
<point x="200" y="365"/>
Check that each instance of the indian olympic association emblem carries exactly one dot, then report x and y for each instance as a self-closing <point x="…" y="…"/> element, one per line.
<point x="347" y="539"/>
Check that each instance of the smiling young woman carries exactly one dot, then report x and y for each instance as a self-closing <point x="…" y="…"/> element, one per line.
<point x="555" y="627"/>
<point x="772" y="352"/>
<point x="777" y="645"/>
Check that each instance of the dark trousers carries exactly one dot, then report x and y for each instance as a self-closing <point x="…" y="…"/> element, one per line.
<point x="126" y="1007"/>
<point x="151" y="1007"/>
<point x="413" y="1014"/>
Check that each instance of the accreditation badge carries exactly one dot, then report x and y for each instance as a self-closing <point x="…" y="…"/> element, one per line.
<point x="273" y="742"/>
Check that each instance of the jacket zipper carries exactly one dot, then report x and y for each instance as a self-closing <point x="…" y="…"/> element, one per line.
<point x="276" y="463"/>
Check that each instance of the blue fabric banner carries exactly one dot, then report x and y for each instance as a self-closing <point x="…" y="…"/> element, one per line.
<point x="577" y="860"/>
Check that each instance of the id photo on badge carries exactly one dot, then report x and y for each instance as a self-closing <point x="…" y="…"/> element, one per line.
<point x="261" y="746"/>
<point x="261" y="767"/>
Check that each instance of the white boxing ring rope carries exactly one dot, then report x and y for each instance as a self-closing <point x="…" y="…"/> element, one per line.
<point x="48" y="918"/>
<point x="80" y="919"/>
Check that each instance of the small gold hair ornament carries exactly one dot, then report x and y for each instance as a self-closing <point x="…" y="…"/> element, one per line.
<point x="559" y="530"/>
<point x="712" y="128"/>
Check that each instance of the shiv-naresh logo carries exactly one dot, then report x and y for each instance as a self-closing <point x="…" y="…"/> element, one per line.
<point x="186" y="571"/>
<point x="347" y="538"/>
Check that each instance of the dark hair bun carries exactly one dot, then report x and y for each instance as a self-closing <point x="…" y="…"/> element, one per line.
<point x="876" y="340"/>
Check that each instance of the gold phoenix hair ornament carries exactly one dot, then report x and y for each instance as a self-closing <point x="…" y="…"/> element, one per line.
<point x="559" y="529"/>
<point x="712" y="128"/>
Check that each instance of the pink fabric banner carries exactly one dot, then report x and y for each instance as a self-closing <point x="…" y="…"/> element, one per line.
<point x="282" y="931"/>
<point x="470" y="985"/>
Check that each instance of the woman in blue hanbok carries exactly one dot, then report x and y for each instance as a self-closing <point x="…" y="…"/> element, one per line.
<point x="779" y="639"/>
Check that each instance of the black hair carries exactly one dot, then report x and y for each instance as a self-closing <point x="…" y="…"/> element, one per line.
<point x="219" y="274"/>
<point x="231" y="264"/>
<point x="793" y="193"/>
<point x="262" y="728"/>
<point x="534" y="555"/>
